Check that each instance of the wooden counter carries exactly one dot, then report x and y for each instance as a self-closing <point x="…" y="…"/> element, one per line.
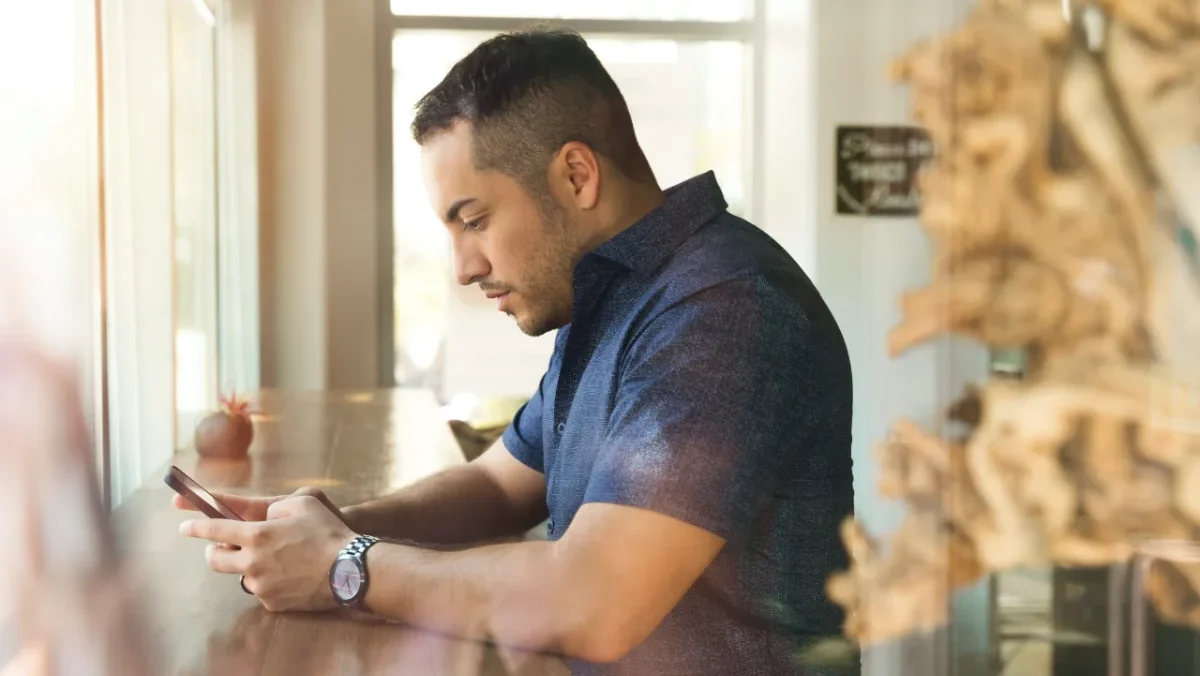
<point x="352" y="445"/>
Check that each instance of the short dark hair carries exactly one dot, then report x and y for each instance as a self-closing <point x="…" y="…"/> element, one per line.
<point x="526" y="94"/>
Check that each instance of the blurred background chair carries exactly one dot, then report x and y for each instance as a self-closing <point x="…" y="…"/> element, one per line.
<point x="478" y="422"/>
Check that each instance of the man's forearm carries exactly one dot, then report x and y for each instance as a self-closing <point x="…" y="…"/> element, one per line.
<point x="461" y="505"/>
<point x="515" y="594"/>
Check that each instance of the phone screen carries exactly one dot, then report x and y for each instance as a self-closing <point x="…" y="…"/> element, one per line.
<point x="194" y="493"/>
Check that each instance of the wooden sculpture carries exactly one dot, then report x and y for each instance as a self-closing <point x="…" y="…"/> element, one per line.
<point x="1067" y="170"/>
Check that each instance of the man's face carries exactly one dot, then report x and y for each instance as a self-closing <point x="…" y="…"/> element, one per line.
<point x="519" y="251"/>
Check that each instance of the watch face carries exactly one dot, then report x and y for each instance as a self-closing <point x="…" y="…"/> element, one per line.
<point x="347" y="579"/>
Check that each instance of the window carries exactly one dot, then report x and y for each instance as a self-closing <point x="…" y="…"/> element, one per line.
<point x="661" y="10"/>
<point x="194" y="210"/>
<point x="162" y="69"/>
<point x="703" y="122"/>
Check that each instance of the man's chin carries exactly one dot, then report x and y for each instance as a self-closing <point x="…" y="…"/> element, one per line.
<point x="533" y="326"/>
<point x="530" y="329"/>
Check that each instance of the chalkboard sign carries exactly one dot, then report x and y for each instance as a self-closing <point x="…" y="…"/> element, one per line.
<point x="877" y="170"/>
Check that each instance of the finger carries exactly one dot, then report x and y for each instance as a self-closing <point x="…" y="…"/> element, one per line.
<point x="226" y="531"/>
<point x="224" y="560"/>
<point x="292" y="506"/>
<point x="310" y="492"/>
<point x="181" y="503"/>
<point x="319" y="495"/>
<point x="250" y="509"/>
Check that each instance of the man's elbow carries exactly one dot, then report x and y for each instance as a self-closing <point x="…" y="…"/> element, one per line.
<point x="605" y="632"/>
<point x="601" y="644"/>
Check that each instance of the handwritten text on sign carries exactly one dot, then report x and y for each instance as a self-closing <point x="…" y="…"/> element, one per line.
<point x="877" y="170"/>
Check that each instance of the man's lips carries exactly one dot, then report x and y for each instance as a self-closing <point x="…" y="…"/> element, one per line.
<point x="501" y="301"/>
<point x="492" y="295"/>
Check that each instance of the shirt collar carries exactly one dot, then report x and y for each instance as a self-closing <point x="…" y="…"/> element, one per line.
<point x="646" y="244"/>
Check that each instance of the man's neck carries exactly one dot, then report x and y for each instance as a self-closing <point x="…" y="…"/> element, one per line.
<point x="631" y="205"/>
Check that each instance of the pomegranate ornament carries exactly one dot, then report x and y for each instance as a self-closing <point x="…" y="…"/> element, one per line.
<point x="227" y="432"/>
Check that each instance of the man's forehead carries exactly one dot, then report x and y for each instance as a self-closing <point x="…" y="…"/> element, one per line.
<point x="449" y="173"/>
<point x="451" y="176"/>
<point x="448" y="152"/>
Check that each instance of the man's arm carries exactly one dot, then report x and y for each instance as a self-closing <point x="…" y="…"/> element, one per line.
<point x="495" y="496"/>
<point x="593" y="595"/>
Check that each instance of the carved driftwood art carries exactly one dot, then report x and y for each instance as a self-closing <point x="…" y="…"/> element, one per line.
<point x="1069" y="154"/>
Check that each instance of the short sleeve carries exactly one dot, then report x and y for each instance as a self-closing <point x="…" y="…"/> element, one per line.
<point x="708" y="408"/>
<point x="523" y="437"/>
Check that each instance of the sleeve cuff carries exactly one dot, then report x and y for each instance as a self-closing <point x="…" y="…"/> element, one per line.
<point x="525" y="453"/>
<point x="683" y="506"/>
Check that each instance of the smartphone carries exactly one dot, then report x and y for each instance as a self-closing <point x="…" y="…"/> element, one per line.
<point x="195" y="494"/>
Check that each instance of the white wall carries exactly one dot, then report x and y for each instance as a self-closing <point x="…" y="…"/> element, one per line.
<point x="317" y="195"/>
<point x="292" y="192"/>
<point x="351" y="152"/>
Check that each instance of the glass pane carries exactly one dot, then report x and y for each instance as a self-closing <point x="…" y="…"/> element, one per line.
<point x="701" y="124"/>
<point x="664" y="10"/>
<point x="194" y="183"/>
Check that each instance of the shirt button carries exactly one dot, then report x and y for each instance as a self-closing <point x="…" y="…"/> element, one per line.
<point x="562" y="427"/>
<point x="550" y="527"/>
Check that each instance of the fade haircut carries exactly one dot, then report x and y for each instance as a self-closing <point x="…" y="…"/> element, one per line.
<point x="526" y="94"/>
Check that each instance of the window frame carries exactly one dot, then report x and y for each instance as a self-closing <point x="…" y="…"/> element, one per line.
<point x="751" y="32"/>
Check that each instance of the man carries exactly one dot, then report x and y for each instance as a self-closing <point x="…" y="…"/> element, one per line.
<point x="689" y="442"/>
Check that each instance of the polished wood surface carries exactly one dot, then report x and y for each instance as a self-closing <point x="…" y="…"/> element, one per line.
<point x="353" y="445"/>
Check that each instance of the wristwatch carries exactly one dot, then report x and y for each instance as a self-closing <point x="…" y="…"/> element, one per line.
<point x="348" y="575"/>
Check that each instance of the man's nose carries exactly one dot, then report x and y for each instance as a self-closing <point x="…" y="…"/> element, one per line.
<point x="470" y="265"/>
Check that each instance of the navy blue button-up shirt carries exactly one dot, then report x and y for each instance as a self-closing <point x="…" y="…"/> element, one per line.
<point x="703" y="377"/>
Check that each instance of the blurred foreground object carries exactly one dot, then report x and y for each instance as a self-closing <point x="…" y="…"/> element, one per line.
<point x="1059" y="205"/>
<point x="67" y="609"/>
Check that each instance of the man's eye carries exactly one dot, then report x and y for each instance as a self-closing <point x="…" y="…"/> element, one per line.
<point x="473" y="225"/>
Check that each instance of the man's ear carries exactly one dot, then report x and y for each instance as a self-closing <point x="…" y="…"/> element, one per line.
<point x="581" y="170"/>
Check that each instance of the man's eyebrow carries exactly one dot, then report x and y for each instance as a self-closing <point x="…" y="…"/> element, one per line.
<point x="452" y="212"/>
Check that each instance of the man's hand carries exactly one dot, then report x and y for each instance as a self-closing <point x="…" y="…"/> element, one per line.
<point x="285" y="558"/>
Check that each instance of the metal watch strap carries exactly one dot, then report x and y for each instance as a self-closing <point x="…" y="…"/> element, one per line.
<point x="358" y="546"/>
<point x="357" y="549"/>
